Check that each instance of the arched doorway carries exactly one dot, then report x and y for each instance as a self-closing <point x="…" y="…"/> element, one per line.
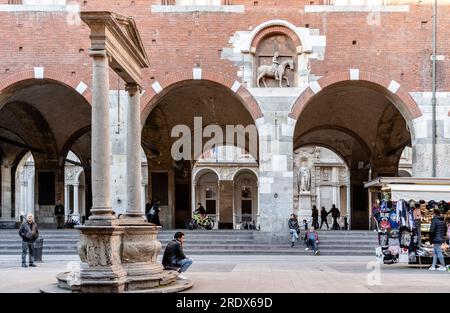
<point x="204" y="110"/>
<point x="246" y="199"/>
<point x="206" y="186"/>
<point x="361" y="123"/>
<point x="321" y="178"/>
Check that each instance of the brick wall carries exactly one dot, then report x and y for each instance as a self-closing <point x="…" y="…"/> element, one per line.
<point x="399" y="47"/>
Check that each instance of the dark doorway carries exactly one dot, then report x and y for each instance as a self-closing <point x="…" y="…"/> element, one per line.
<point x="46" y="188"/>
<point x="246" y="210"/>
<point x="360" y="210"/>
<point x="182" y="204"/>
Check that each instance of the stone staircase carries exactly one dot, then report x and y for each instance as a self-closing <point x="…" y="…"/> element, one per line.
<point x="212" y="242"/>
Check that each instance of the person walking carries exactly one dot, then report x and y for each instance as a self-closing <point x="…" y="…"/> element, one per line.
<point x="294" y="228"/>
<point x="312" y="240"/>
<point x="174" y="257"/>
<point x="438" y="231"/>
<point x="59" y="213"/>
<point x="315" y="217"/>
<point x="323" y="217"/>
<point x="335" y="214"/>
<point x="154" y="213"/>
<point x="29" y="233"/>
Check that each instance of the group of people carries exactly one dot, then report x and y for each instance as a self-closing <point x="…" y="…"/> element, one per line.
<point x="311" y="237"/>
<point x="335" y="214"/>
<point x="152" y="212"/>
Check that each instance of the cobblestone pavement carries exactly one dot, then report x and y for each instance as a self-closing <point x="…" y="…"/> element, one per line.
<point x="259" y="274"/>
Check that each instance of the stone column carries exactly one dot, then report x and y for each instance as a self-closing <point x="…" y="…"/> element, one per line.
<point x="276" y="175"/>
<point x="102" y="211"/>
<point x="76" y="209"/>
<point x="143" y="201"/>
<point x="6" y="193"/>
<point x="66" y="199"/>
<point x="134" y="179"/>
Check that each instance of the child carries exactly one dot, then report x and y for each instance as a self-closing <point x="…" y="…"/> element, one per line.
<point x="312" y="240"/>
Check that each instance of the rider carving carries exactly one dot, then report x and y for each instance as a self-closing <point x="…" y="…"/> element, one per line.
<point x="275" y="64"/>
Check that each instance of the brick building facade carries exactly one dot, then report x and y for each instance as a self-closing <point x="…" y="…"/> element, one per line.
<point x="361" y="86"/>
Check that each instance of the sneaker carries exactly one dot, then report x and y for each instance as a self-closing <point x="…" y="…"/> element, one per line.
<point x="432" y="268"/>
<point x="441" y="268"/>
<point x="292" y="244"/>
<point x="316" y="252"/>
<point x="32" y="265"/>
<point x="306" y="249"/>
<point x="181" y="276"/>
<point x="24" y="265"/>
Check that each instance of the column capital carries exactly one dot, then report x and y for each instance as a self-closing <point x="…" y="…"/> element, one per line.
<point x="98" y="53"/>
<point x="133" y="88"/>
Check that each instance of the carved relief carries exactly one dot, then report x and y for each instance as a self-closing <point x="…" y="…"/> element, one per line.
<point x="274" y="62"/>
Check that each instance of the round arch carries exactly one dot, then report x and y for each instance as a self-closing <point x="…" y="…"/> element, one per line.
<point x="392" y="90"/>
<point x="204" y="170"/>
<point x="74" y="82"/>
<point x="244" y="170"/>
<point x="170" y="82"/>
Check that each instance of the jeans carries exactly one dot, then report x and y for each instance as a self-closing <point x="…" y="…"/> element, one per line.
<point x="185" y="263"/>
<point x="312" y="243"/>
<point x="293" y="232"/>
<point x="437" y="253"/>
<point x="26" y="245"/>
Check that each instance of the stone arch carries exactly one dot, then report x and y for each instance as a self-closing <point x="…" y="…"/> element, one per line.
<point x="74" y="82"/>
<point x="243" y="170"/>
<point x="202" y="171"/>
<point x="273" y="27"/>
<point x="161" y="88"/>
<point x="70" y="141"/>
<point x="394" y="91"/>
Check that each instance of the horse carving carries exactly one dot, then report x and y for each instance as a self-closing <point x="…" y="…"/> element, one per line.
<point x="268" y="71"/>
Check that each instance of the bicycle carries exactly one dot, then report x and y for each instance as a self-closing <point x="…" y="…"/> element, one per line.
<point x="196" y="221"/>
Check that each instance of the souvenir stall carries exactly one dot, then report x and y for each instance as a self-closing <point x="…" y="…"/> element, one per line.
<point x="401" y="209"/>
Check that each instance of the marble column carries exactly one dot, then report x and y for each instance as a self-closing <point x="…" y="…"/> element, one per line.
<point x="6" y="193"/>
<point x="101" y="145"/>
<point x="66" y="200"/>
<point x="143" y="186"/>
<point x="134" y="179"/>
<point x="76" y="209"/>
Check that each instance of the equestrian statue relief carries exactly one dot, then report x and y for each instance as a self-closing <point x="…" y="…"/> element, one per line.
<point x="276" y="70"/>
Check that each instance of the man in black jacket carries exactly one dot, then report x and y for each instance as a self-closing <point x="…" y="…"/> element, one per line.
<point x="29" y="233"/>
<point x="174" y="257"/>
<point x="335" y="214"/>
<point x="59" y="213"/>
<point x="438" y="229"/>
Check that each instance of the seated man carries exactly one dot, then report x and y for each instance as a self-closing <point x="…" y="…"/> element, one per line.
<point x="174" y="258"/>
<point x="312" y="240"/>
<point x="200" y="213"/>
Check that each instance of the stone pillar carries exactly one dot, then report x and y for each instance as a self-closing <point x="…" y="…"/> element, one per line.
<point x="143" y="201"/>
<point x="23" y="197"/>
<point x="134" y="179"/>
<point x="66" y="199"/>
<point x="76" y="209"/>
<point x="102" y="211"/>
<point x="6" y="193"/>
<point x="276" y="176"/>
<point x="421" y="135"/>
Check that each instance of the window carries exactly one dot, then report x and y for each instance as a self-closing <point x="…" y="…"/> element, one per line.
<point x="358" y="2"/>
<point x="198" y="2"/>
<point x="38" y="2"/>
